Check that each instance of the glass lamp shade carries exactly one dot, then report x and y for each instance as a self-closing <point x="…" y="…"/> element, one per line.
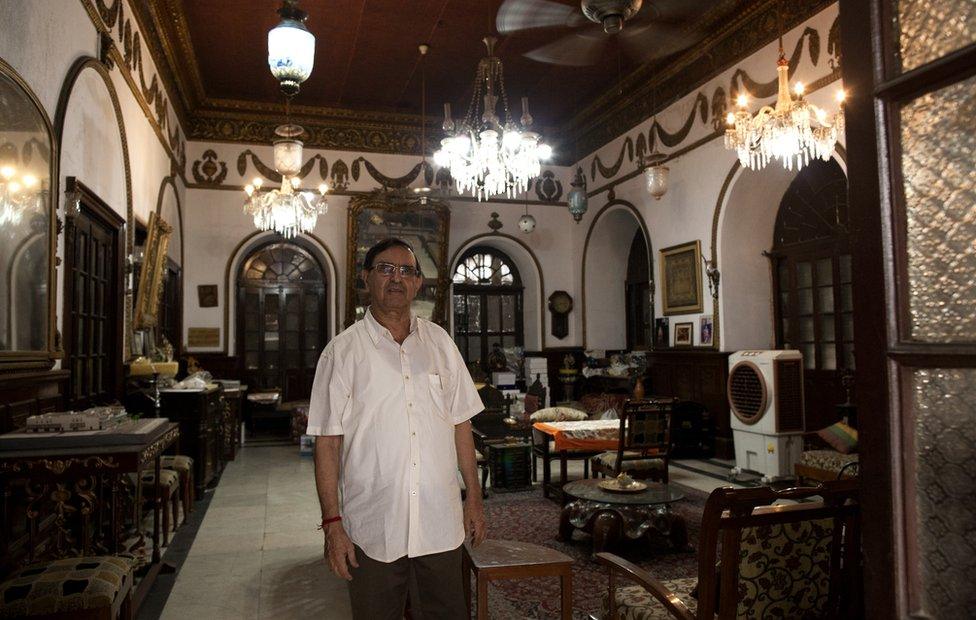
<point x="657" y="180"/>
<point x="291" y="53"/>
<point x="526" y="223"/>
<point x="577" y="202"/>
<point x="288" y="157"/>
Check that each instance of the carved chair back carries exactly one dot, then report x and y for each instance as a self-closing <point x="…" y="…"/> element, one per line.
<point x="645" y="430"/>
<point x="791" y="560"/>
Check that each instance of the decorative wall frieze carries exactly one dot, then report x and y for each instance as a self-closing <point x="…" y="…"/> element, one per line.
<point x="210" y="171"/>
<point x="709" y="111"/>
<point x="122" y="47"/>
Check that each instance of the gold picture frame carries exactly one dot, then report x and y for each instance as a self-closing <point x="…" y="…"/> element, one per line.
<point x="381" y="214"/>
<point x="681" y="281"/>
<point x="151" y="274"/>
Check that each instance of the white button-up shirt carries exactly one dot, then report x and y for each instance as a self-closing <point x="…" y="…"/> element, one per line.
<point x="396" y="407"/>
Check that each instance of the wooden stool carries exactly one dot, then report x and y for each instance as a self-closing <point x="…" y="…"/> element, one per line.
<point x="512" y="559"/>
<point x="182" y="465"/>
<point x="169" y="490"/>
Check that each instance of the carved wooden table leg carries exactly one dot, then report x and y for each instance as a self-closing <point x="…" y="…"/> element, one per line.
<point x="157" y="506"/>
<point x="565" y="527"/>
<point x="607" y="526"/>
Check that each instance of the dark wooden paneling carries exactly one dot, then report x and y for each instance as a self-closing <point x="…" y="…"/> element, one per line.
<point x="201" y="419"/>
<point x="219" y="365"/>
<point x="698" y="375"/>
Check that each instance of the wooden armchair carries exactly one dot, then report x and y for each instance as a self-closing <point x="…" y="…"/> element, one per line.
<point x="645" y="442"/>
<point x="785" y="561"/>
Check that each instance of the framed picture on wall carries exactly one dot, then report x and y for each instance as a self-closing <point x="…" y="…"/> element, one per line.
<point x="382" y="214"/>
<point x="705" y="331"/>
<point x="684" y="334"/>
<point x="153" y="270"/>
<point x="681" y="282"/>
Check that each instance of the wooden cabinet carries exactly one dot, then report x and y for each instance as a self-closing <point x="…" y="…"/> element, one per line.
<point x="232" y="423"/>
<point x="201" y="419"/>
<point x="699" y="375"/>
<point x="29" y="392"/>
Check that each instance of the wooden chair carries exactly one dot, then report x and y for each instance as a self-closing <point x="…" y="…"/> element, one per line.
<point x="645" y="442"/>
<point x="798" y="560"/>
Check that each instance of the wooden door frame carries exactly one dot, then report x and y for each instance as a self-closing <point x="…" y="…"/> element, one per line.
<point x="96" y="209"/>
<point x="883" y="350"/>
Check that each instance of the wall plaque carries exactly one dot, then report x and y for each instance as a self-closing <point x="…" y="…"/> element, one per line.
<point x="203" y="337"/>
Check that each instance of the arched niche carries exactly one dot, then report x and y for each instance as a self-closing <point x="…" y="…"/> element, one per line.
<point x="533" y="292"/>
<point x="247" y="247"/>
<point x="743" y="230"/>
<point x="606" y="253"/>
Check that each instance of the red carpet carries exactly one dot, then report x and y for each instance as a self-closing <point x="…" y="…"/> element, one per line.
<point x="526" y="516"/>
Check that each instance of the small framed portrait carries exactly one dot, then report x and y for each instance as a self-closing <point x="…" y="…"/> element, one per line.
<point x="662" y="339"/>
<point x="683" y="334"/>
<point x="705" y="331"/>
<point x="207" y="295"/>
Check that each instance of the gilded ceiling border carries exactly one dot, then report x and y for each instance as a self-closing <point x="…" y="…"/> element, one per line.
<point x="121" y="46"/>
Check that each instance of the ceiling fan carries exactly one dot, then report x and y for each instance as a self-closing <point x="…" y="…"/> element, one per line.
<point x="645" y="30"/>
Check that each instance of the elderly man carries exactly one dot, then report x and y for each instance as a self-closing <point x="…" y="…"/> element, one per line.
<point x="391" y="409"/>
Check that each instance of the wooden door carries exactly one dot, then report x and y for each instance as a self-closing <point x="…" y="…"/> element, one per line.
<point x="911" y="143"/>
<point x="93" y="309"/>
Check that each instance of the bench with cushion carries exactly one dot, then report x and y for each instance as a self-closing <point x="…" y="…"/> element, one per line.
<point x="829" y="453"/>
<point x="85" y="587"/>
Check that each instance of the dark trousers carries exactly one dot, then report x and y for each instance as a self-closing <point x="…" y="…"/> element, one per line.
<point x="378" y="590"/>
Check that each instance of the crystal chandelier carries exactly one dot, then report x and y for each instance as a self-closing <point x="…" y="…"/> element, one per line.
<point x="291" y="48"/>
<point x="19" y="193"/>
<point x="486" y="156"/>
<point x="795" y="131"/>
<point x="288" y="210"/>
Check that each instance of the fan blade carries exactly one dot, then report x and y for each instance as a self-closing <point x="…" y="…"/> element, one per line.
<point x="655" y="40"/>
<point x="575" y="50"/>
<point x="514" y="15"/>
<point x="677" y="10"/>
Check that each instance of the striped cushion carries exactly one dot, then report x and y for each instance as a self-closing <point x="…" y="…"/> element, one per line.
<point x="168" y="479"/>
<point x="178" y="463"/>
<point x="840" y="436"/>
<point x="69" y="585"/>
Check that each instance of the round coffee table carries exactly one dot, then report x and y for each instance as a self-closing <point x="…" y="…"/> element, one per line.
<point x="610" y="517"/>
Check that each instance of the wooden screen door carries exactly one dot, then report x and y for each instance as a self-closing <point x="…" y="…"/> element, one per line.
<point x="282" y="319"/>
<point x="911" y="140"/>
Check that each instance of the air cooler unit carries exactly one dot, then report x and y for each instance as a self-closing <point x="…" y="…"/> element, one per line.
<point x="766" y="395"/>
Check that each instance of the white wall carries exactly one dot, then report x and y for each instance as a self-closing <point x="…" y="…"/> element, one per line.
<point x="41" y="40"/>
<point x="688" y="210"/>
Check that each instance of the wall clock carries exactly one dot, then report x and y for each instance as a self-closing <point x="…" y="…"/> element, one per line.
<point x="560" y="305"/>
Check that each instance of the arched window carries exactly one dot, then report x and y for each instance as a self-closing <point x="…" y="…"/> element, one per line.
<point x="812" y="266"/>
<point x="281" y="318"/>
<point x="487" y="304"/>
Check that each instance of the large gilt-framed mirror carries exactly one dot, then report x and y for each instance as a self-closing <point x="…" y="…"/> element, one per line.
<point x="151" y="275"/>
<point x="28" y="232"/>
<point x="381" y="214"/>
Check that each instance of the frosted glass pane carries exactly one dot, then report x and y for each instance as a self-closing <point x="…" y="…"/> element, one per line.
<point x="804" y="298"/>
<point x="931" y="29"/>
<point x="804" y="274"/>
<point x="945" y="480"/>
<point x="939" y="147"/>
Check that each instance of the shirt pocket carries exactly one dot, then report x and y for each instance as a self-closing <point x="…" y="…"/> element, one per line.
<point x="439" y="401"/>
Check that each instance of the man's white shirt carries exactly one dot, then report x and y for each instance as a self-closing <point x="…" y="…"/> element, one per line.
<point x="396" y="407"/>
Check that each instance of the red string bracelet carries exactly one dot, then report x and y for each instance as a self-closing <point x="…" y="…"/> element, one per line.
<point x="328" y="521"/>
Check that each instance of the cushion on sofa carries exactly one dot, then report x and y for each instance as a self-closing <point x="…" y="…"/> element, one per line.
<point x="840" y="437"/>
<point x="558" y="414"/>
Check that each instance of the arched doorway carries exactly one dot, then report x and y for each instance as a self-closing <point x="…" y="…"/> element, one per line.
<point x="812" y="288"/>
<point x="281" y="318"/>
<point x="487" y="304"/>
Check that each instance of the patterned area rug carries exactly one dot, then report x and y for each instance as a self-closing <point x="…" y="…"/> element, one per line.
<point x="527" y="517"/>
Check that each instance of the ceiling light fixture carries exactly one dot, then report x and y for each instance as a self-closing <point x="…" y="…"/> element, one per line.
<point x="291" y="48"/>
<point x="795" y="131"/>
<point x="289" y="210"/>
<point x="424" y="191"/>
<point x="486" y="156"/>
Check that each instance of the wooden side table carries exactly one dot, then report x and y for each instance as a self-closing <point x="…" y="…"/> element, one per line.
<point x="512" y="559"/>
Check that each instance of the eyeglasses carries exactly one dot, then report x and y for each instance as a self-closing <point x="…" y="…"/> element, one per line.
<point x="388" y="269"/>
